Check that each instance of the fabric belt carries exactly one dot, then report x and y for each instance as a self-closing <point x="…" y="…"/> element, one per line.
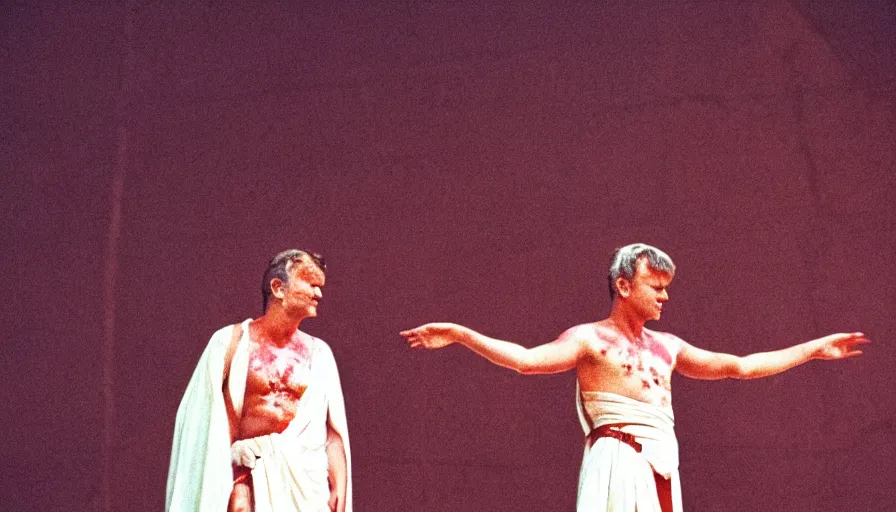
<point x="663" y="486"/>
<point x="612" y="430"/>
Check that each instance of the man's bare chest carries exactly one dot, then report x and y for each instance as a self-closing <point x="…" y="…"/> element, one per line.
<point x="645" y="363"/>
<point x="282" y="371"/>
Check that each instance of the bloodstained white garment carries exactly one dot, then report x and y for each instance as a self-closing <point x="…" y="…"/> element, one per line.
<point x="291" y="473"/>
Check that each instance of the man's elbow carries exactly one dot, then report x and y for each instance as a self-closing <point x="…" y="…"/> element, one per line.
<point x="741" y="369"/>
<point x="525" y="369"/>
<point x="526" y="365"/>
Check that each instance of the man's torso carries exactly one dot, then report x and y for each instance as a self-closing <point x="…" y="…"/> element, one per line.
<point x="640" y="369"/>
<point x="277" y="378"/>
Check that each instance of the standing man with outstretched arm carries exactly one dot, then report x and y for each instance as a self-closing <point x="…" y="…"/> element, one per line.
<point x="262" y="426"/>
<point x="624" y="371"/>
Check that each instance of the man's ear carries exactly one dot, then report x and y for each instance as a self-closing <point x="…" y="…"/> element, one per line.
<point x="278" y="289"/>
<point x="623" y="287"/>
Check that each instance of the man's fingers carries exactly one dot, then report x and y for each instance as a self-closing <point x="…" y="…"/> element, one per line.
<point x="247" y="458"/>
<point x="848" y="340"/>
<point x="242" y="455"/>
<point x="853" y="340"/>
<point x="412" y="332"/>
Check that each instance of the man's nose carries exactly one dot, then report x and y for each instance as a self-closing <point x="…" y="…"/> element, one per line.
<point x="664" y="296"/>
<point x="318" y="293"/>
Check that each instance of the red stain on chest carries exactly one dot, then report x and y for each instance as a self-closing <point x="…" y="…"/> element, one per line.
<point x="281" y="369"/>
<point x="635" y="349"/>
<point x="658" y="350"/>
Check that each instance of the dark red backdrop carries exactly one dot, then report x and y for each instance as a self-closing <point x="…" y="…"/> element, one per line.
<point x="454" y="161"/>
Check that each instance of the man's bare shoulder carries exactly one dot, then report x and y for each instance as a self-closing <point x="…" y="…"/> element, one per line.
<point x="672" y="342"/>
<point x="594" y="334"/>
<point x="581" y="332"/>
<point x="662" y="335"/>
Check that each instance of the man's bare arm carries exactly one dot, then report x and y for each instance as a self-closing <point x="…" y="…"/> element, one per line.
<point x="558" y="356"/>
<point x="703" y="364"/>
<point x="337" y="470"/>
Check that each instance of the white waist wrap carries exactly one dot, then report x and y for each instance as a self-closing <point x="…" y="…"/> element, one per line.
<point x="614" y="476"/>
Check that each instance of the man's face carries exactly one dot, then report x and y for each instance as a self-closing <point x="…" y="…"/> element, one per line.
<point x="648" y="290"/>
<point x="303" y="291"/>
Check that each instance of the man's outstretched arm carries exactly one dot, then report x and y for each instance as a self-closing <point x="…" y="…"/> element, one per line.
<point x="703" y="364"/>
<point x="558" y="356"/>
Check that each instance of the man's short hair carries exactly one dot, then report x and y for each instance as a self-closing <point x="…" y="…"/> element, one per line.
<point x="280" y="266"/>
<point x="625" y="262"/>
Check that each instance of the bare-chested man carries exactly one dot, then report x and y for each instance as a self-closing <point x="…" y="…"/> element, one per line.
<point x="624" y="373"/>
<point x="262" y="424"/>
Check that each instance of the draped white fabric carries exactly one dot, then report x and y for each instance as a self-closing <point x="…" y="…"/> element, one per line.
<point x="291" y="473"/>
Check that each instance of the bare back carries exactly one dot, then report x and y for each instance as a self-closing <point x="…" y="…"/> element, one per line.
<point x="277" y="378"/>
<point x="640" y="369"/>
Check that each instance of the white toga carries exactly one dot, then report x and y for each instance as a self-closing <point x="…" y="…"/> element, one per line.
<point x="291" y="473"/>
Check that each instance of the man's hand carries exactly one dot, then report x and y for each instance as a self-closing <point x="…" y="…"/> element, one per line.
<point x="435" y="335"/>
<point x="333" y="502"/>
<point x="241" y="454"/>
<point x="839" y="346"/>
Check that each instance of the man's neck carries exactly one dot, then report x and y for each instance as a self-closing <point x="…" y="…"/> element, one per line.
<point x="277" y="327"/>
<point x="627" y="322"/>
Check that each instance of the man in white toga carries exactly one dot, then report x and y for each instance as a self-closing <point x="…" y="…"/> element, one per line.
<point x="623" y="373"/>
<point x="262" y="426"/>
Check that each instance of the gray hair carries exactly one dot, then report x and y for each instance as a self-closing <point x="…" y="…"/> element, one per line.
<point x="280" y="266"/>
<point x="625" y="262"/>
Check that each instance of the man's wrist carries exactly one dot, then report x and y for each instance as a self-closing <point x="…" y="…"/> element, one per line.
<point x="813" y="349"/>
<point x="463" y="335"/>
